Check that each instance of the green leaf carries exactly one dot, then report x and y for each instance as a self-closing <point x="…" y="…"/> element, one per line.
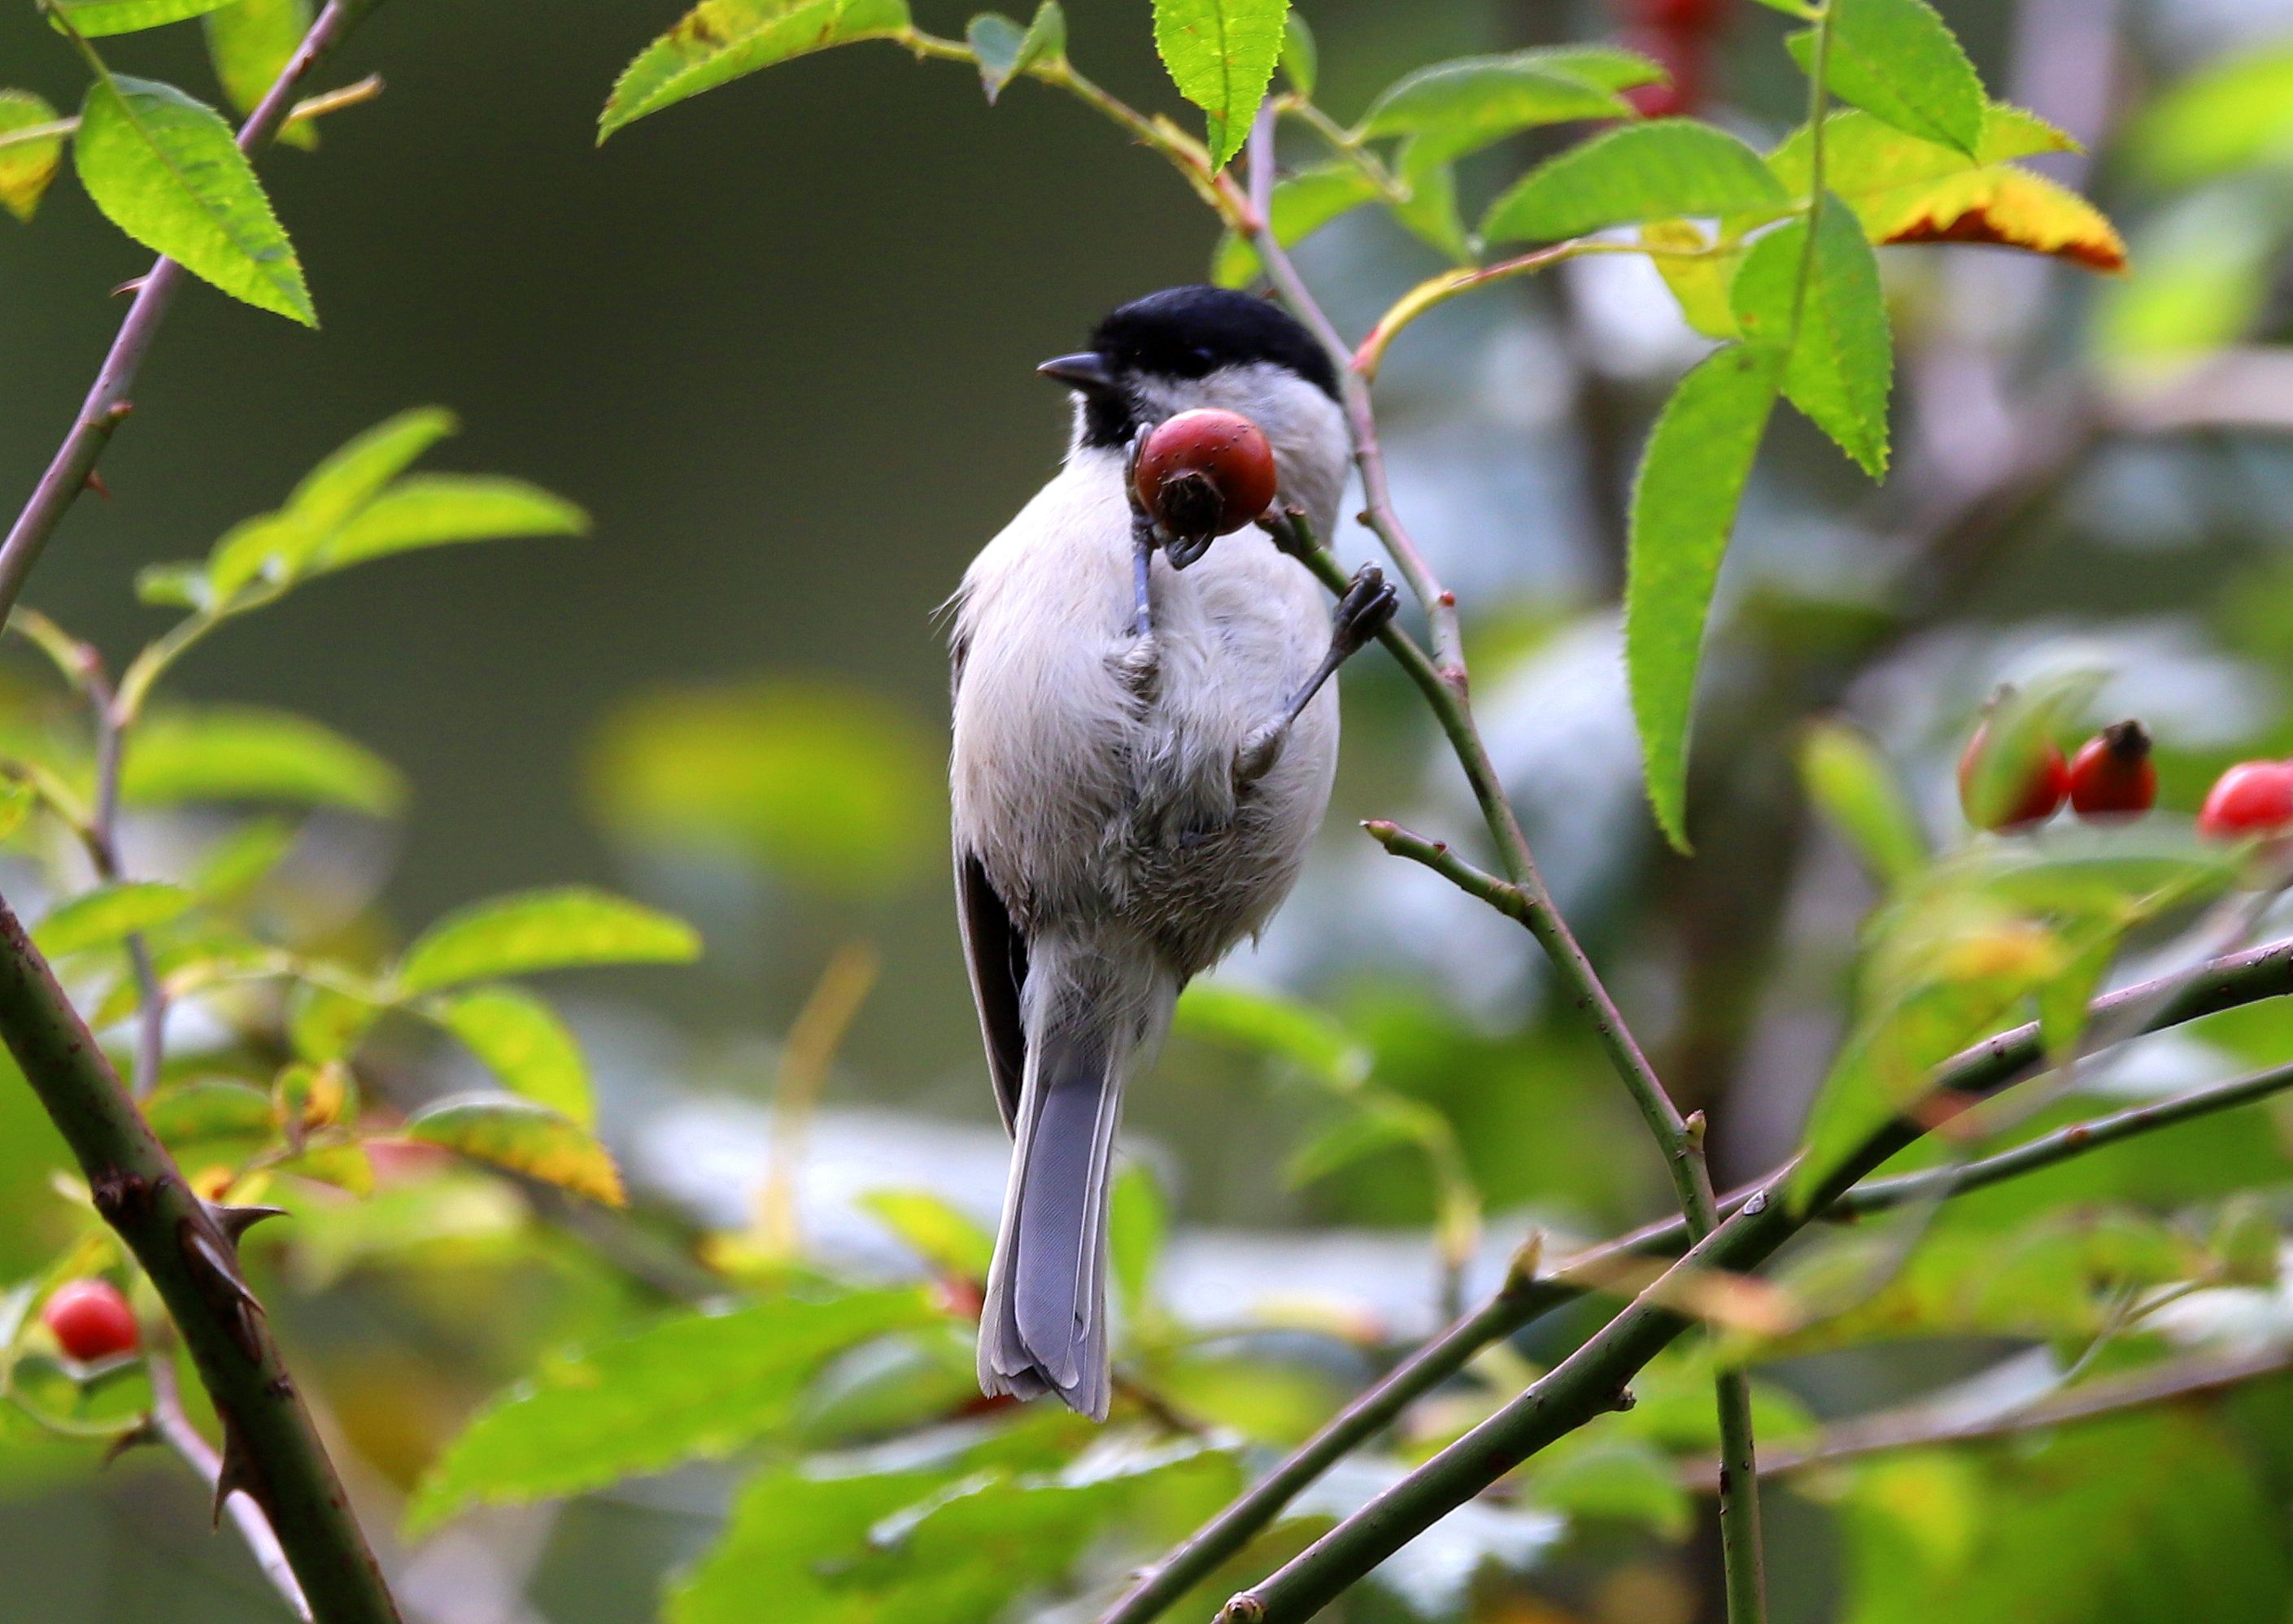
<point x="1138" y="1227"/>
<point x="543" y="930"/>
<point x="107" y="914"/>
<point x="1655" y="171"/>
<point x="174" y="587"/>
<point x="1691" y="478"/>
<point x="1220" y="54"/>
<point x="203" y="1108"/>
<point x="719" y="40"/>
<point x="943" y="1237"/>
<point x="1620" y="1479"/>
<point x="2232" y="115"/>
<point x="325" y="1023"/>
<point x="522" y="1137"/>
<point x="166" y="170"/>
<point x="695" y="1386"/>
<point x="1302" y="204"/>
<point x="1847" y="778"/>
<point x="237" y="753"/>
<point x="1841" y="360"/>
<point x="27" y="166"/>
<point x="1452" y="109"/>
<point x="827" y="784"/>
<point x="1005" y="50"/>
<point x="327" y="497"/>
<point x="430" y="510"/>
<point x="96" y="18"/>
<point x="1899" y="61"/>
<point x="1379" y="1123"/>
<point x="2125" y="1519"/>
<point x="1300" y="57"/>
<point x="1283" y="1028"/>
<point x="522" y="1043"/>
<point x="250" y="43"/>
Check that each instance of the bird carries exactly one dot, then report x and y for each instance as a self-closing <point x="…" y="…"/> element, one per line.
<point x="1144" y="739"/>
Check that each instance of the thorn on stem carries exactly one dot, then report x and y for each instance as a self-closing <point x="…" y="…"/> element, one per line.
<point x="146" y="1431"/>
<point x="133" y="284"/>
<point x="95" y="483"/>
<point x="236" y="1220"/>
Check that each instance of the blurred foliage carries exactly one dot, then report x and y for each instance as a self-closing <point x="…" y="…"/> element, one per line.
<point x="796" y="1400"/>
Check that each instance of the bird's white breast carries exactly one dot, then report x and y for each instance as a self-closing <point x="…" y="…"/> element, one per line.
<point x="1090" y="796"/>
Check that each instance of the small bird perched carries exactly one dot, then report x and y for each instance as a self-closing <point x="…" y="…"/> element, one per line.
<point x="1144" y="737"/>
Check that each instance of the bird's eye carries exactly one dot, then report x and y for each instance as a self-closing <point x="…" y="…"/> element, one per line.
<point x="1202" y="353"/>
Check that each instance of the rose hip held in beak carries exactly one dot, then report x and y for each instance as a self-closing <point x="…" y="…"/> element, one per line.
<point x="1202" y="475"/>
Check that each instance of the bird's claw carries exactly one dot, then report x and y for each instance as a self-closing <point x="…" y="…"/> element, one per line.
<point x="1367" y="609"/>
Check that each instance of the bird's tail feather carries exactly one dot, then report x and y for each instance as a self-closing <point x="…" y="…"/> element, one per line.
<point x="1090" y="1020"/>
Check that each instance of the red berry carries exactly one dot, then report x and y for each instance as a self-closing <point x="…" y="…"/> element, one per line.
<point x="2044" y="790"/>
<point x="2254" y="797"/>
<point x="1205" y="472"/>
<point x="90" y="1320"/>
<point x="2112" y="774"/>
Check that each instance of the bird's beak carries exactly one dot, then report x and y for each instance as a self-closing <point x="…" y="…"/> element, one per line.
<point x="1086" y="371"/>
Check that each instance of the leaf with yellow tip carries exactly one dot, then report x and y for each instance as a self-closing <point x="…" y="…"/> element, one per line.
<point x="522" y="1137"/>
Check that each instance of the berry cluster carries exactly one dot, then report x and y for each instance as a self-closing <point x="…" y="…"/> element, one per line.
<point x="2112" y="776"/>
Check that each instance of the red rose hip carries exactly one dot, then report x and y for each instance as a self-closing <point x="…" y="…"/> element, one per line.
<point x="2112" y="774"/>
<point x="90" y="1320"/>
<point x="1205" y="472"/>
<point x="2254" y="797"/>
<point x="2044" y="788"/>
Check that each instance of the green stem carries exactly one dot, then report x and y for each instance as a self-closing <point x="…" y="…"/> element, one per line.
<point x="1682" y="1145"/>
<point x="1818" y="94"/>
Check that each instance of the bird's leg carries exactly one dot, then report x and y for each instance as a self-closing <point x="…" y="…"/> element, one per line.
<point x="1366" y="610"/>
<point x="1142" y="559"/>
<point x="1142" y="663"/>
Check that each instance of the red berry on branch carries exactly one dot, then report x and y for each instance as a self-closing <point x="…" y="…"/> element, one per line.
<point x="2254" y="797"/>
<point x="2045" y="785"/>
<point x="1205" y="472"/>
<point x="90" y="1320"/>
<point x="2112" y="774"/>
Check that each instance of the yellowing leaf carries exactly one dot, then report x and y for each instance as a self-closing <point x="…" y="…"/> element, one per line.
<point x="2005" y="208"/>
<point x="523" y="1137"/>
<point x="26" y="162"/>
<point x="719" y="40"/>
<point x="543" y="930"/>
<point x="1908" y="191"/>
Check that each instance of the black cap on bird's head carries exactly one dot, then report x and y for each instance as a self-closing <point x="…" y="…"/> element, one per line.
<point x="1181" y="333"/>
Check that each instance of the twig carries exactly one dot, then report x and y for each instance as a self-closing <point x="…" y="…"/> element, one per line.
<point x="106" y="404"/>
<point x="1924" y="1427"/>
<point x="1439" y="604"/>
<point x="103" y="851"/>
<point x="1884" y="1194"/>
<point x="311" y="107"/>
<point x="174" y="1428"/>
<point x="189" y="1249"/>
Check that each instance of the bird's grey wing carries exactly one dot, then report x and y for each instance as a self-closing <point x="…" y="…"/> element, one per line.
<point x="994" y="951"/>
<point x="997" y="954"/>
